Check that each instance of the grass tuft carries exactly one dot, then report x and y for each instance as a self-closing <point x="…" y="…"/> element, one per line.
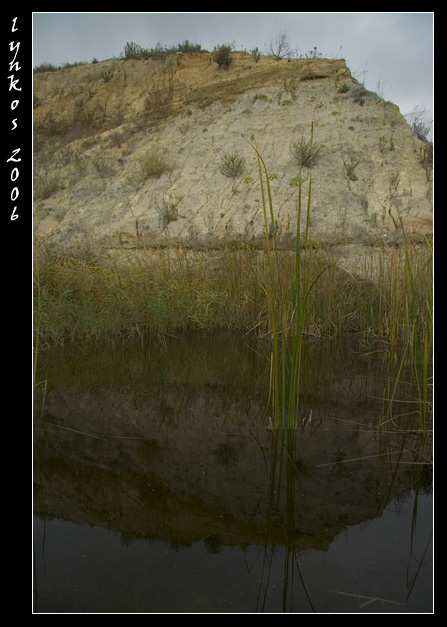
<point x="154" y="164"/>
<point x="232" y="164"/>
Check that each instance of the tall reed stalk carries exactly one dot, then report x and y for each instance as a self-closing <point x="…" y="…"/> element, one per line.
<point x="286" y="360"/>
<point x="418" y="340"/>
<point x="421" y="324"/>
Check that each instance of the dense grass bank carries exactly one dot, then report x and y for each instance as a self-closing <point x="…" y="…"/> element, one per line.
<point x="381" y="294"/>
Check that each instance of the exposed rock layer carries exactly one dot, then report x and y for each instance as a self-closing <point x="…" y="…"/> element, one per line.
<point x="128" y="154"/>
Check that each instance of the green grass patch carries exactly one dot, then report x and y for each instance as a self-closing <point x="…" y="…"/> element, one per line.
<point x="387" y="297"/>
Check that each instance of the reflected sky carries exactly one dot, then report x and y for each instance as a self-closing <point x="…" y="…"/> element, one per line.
<point x="371" y="567"/>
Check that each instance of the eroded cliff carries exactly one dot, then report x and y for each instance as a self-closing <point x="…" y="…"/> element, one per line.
<point x="137" y="153"/>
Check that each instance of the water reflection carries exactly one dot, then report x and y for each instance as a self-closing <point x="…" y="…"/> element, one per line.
<point x="166" y="446"/>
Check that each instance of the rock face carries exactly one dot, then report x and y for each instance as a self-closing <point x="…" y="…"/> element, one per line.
<point x="135" y="153"/>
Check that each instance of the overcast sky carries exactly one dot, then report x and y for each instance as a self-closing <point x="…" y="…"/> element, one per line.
<point x="393" y="49"/>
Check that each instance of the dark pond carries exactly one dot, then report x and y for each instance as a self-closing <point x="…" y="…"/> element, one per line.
<point x="158" y="487"/>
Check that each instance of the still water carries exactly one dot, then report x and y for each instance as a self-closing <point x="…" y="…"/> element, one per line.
<point x="159" y="487"/>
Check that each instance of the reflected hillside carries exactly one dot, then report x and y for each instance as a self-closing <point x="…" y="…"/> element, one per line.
<point x="171" y="441"/>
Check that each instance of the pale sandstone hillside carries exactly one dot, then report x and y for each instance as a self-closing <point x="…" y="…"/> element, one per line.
<point x="128" y="154"/>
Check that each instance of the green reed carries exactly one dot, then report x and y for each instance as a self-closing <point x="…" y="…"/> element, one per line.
<point x="416" y="331"/>
<point x="166" y="290"/>
<point x="284" y="312"/>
